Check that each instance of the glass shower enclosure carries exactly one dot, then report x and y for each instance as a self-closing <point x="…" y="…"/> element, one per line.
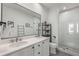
<point x="69" y="29"/>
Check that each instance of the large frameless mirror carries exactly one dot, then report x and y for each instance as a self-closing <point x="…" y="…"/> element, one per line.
<point x="20" y="21"/>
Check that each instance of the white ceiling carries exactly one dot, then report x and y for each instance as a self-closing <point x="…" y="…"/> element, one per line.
<point x="60" y="5"/>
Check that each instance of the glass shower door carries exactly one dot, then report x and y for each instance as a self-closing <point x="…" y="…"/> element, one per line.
<point x="69" y="29"/>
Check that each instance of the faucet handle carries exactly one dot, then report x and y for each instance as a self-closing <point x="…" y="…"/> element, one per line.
<point x="20" y="39"/>
<point x="12" y="40"/>
<point x="16" y="37"/>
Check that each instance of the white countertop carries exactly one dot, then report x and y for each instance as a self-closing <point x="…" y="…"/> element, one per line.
<point x="7" y="48"/>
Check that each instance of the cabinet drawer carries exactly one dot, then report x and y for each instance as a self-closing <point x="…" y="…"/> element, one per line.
<point x="38" y="49"/>
<point x="37" y="53"/>
<point x="45" y="42"/>
<point x="41" y="48"/>
<point x="38" y="46"/>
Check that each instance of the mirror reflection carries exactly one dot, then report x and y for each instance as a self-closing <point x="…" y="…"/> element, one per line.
<point x="19" y="21"/>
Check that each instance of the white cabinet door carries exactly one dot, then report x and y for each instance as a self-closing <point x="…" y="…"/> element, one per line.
<point x="38" y="49"/>
<point x="45" y="48"/>
<point x="41" y="48"/>
<point x="23" y="52"/>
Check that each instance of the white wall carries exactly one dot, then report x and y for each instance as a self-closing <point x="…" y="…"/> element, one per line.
<point x="53" y="19"/>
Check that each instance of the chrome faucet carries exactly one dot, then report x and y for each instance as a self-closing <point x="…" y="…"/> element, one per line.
<point x="15" y="40"/>
<point x="18" y="39"/>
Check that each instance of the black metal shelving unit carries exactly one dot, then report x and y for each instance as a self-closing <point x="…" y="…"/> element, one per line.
<point x="47" y="30"/>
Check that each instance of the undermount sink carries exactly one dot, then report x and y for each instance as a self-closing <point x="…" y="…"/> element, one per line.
<point x="17" y="44"/>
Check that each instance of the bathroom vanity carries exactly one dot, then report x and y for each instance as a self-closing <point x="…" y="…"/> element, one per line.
<point x="35" y="46"/>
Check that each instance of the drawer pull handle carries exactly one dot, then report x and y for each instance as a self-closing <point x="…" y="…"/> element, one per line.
<point x="38" y="45"/>
<point x="38" y="52"/>
<point x="33" y="47"/>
